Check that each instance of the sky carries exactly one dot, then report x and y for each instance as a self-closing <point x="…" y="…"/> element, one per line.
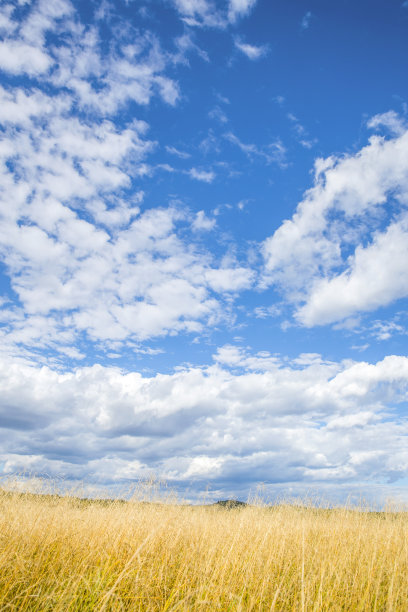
<point x="204" y="245"/>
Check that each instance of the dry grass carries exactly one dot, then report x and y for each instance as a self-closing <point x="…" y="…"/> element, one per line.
<point x="61" y="553"/>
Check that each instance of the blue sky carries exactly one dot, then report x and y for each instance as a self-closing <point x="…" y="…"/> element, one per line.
<point x="204" y="244"/>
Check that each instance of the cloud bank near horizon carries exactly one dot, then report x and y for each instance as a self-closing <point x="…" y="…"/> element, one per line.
<point x="245" y="418"/>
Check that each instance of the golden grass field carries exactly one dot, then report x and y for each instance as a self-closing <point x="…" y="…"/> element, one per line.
<point x="61" y="553"/>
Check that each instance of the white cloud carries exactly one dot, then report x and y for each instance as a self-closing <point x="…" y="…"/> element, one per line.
<point x="274" y="152"/>
<point x="20" y="106"/>
<point x="213" y="14"/>
<point x="202" y="222"/>
<point x="384" y="330"/>
<point x="205" y="176"/>
<point x="132" y="70"/>
<point x="301" y="133"/>
<point x="44" y="17"/>
<point x="200" y="13"/>
<point x="376" y="276"/>
<point x="263" y="312"/>
<point x="391" y="120"/>
<point x="334" y="258"/>
<point x="269" y="420"/>
<point x="19" y="58"/>
<point x="185" y="44"/>
<point x="22" y="51"/>
<point x="280" y="100"/>
<point x="218" y="114"/>
<point x="305" y="23"/>
<point x="7" y="25"/>
<point x="137" y="282"/>
<point x="83" y="259"/>
<point x="239" y="8"/>
<point x="230" y="279"/>
<point x="252" y="52"/>
<point x="190" y="7"/>
<point x="177" y="152"/>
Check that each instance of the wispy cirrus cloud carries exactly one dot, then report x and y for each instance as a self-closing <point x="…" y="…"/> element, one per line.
<point x="305" y="23"/>
<point x="174" y="151"/>
<point x="185" y="44"/>
<point x="274" y="152"/>
<point x="301" y="132"/>
<point x="389" y="120"/>
<point x="252" y="52"/>
<point x="213" y="14"/>
<point x="218" y="114"/>
<point x="205" y="176"/>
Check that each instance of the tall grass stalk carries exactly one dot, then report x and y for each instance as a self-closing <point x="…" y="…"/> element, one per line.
<point x="61" y="553"/>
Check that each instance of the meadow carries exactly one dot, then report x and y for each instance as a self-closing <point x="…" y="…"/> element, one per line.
<point x="63" y="553"/>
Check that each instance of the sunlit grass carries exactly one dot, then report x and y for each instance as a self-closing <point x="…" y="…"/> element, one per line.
<point x="64" y="553"/>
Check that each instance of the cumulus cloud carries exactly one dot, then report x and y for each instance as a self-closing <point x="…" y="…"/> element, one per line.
<point x="20" y="58"/>
<point x="100" y="80"/>
<point x="202" y="222"/>
<point x="83" y="258"/>
<point x="247" y="418"/>
<point x="230" y="279"/>
<point x="22" y="50"/>
<point x="376" y="276"/>
<point x="342" y="251"/>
